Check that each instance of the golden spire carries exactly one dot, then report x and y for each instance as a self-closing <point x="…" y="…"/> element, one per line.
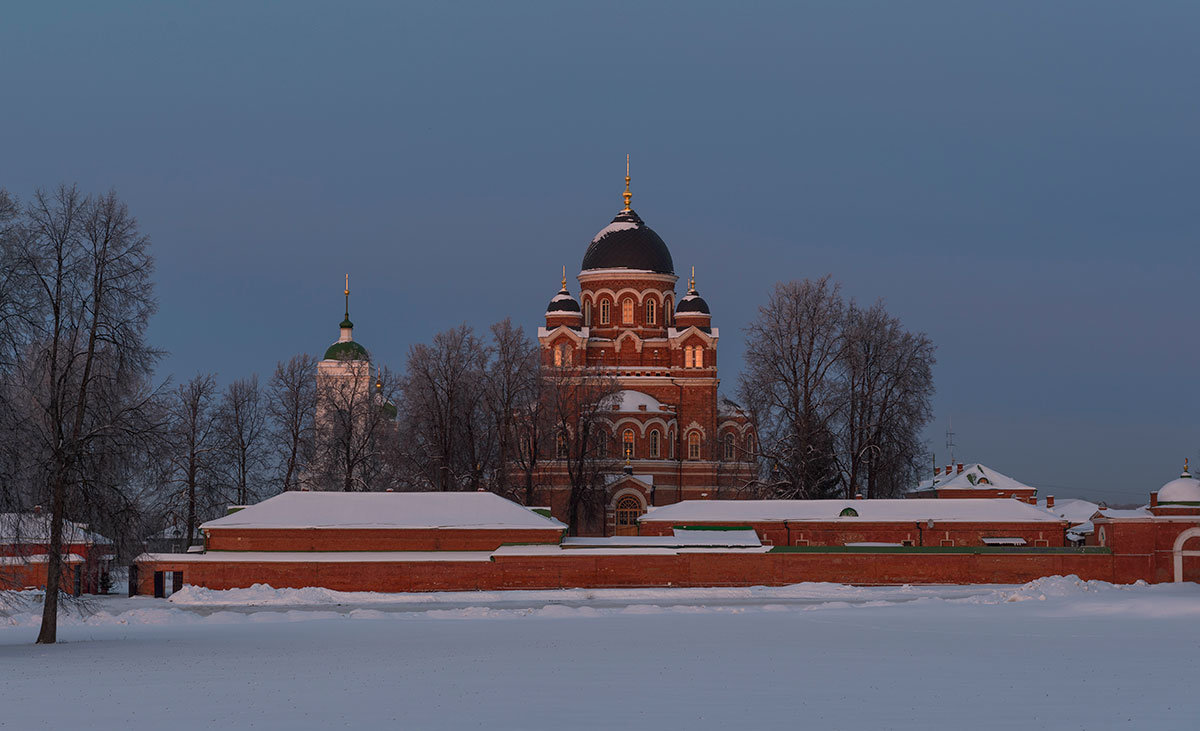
<point x="628" y="195"/>
<point x="1185" y="466"/>
<point x="347" y="296"/>
<point x="692" y="281"/>
<point x="564" y="279"/>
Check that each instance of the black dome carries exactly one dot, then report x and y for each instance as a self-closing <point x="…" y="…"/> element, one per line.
<point x="693" y="302"/>
<point x="628" y="243"/>
<point x="563" y="302"/>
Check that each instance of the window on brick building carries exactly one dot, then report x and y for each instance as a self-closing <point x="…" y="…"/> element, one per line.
<point x="729" y="448"/>
<point x="587" y="314"/>
<point x="604" y="313"/>
<point x="627" y="444"/>
<point x="651" y="311"/>
<point x="602" y="444"/>
<point x="627" y="511"/>
<point x="654" y="446"/>
<point x="694" y="445"/>
<point x="562" y="445"/>
<point x="667" y="313"/>
<point x="627" y="312"/>
<point x="693" y="357"/>
<point x="562" y="355"/>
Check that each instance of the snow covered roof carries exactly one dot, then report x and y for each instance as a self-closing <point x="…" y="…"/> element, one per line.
<point x="682" y="538"/>
<point x="35" y="528"/>
<point x="973" y="477"/>
<point x="967" y="510"/>
<point x="1126" y="514"/>
<point x="1075" y="511"/>
<point x="386" y="510"/>
<point x="627" y="401"/>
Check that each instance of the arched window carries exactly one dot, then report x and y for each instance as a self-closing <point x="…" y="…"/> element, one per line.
<point x="729" y="448"/>
<point x="667" y="320"/>
<point x="587" y="314"/>
<point x="604" y="313"/>
<point x="693" y="357"/>
<point x="628" y="510"/>
<point x="602" y="444"/>
<point x="694" y="445"/>
<point x="848" y="513"/>
<point x="627" y="444"/>
<point x="749" y="447"/>
<point x="651" y="311"/>
<point x="654" y="450"/>
<point x="627" y="311"/>
<point x="562" y="355"/>
<point x="687" y="357"/>
<point x="561" y="445"/>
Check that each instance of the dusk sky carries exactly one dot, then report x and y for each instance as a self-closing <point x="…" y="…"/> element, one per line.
<point x="1019" y="180"/>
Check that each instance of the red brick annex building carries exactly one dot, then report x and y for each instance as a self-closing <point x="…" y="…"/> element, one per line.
<point x="678" y="440"/>
<point x="480" y="541"/>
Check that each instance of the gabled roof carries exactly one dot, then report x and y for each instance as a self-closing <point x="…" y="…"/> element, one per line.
<point x="35" y="528"/>
<point x="972" y="478"/>
<point x="967" y="510"/>
<point x="409" y="510"/>
<point x="1073" y="510"/>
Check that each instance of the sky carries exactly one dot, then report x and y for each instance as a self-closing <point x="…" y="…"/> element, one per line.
<point x="1019" y="180"/>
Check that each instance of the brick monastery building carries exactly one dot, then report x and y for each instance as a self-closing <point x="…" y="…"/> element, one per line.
<point x="463" y="541"/>
<point x="678" y="439"/>
<point x="680" y="448"/>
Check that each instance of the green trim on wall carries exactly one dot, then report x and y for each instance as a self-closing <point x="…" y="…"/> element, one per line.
<point x="1003" y="550"/>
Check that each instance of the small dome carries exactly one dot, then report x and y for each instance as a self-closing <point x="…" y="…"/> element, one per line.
<point x="562" y="302"/>
<point x="692" y="302"/>
<point x="1183" y="489"/>
<point x="628" y="243"/>
<point x="346" y="350"/>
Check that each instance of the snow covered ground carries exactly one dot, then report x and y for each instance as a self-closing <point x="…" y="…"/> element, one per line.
<point x="1056" y="653"/>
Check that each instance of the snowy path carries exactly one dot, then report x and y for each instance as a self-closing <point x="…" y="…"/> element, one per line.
<point x="1083" y="657"/>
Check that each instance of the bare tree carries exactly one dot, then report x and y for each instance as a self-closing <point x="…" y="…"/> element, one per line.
<point x="241" y="423"/>
<point x="193" y="451"/>
<point x="840" y="394"/>
<point x="83" y="373"/>
<point x="291" y="409"/>
<point x="579" y="400"/>
<point x="510" y="389"/>
<point x="888" y="382"/>
<point x="448" y="433"/>
<point x="793" y="350"/>
<point x="355" y="429"/>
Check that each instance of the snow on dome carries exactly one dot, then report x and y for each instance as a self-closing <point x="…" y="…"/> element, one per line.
<point x="624" y="401"/>
<point x="613" y="227"/>
<point x="563" y="302"/>
<point x="1183" y="489"/>
<point x="386" y="510"/>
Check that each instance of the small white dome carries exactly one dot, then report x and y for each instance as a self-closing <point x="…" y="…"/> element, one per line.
<point x="1183" y="489"/>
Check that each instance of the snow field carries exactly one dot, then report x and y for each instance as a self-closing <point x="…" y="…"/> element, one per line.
<point x="1056" y="653"/>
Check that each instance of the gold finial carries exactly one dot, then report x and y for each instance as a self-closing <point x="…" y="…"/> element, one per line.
<point x="692" y="281"/>
<point x="1185" y="466"/>
<point x="628" y="195"/>
<point x="347" y="296"/>
<point x="564" y="280"/>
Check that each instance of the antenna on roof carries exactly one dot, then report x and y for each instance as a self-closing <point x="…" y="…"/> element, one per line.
<point x="950" y="439"/>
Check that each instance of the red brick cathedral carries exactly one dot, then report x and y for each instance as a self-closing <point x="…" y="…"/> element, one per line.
<point x="674" y="438"/>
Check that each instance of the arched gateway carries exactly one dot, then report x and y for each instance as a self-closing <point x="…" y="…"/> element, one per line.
<point x="1179" y="553"/>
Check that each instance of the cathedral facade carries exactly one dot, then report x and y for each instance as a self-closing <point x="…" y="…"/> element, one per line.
<point x="670" y="436"/>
